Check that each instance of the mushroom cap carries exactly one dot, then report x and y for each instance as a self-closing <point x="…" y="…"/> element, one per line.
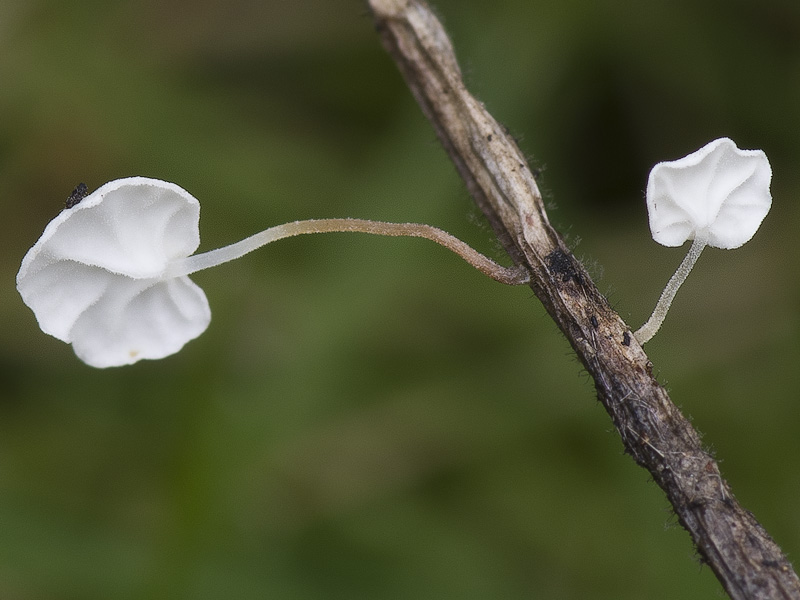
<point x="96" y="277"/>
<point x="719" y="191"/>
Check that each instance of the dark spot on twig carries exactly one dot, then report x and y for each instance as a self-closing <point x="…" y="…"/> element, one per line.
<point x="696" y="503"/>
<point x="563" y="265"/>
<point x="489" y="138"/>
<point x="593" y="321"/>
<point x="79" y="193"/>
<point x="626" y="339"/>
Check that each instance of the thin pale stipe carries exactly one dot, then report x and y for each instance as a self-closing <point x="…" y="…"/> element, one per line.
<point x="649" y="329"/>
<point x="198" y="262"/>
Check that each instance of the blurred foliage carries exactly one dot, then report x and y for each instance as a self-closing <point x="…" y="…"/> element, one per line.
<point x="368" y="418"/>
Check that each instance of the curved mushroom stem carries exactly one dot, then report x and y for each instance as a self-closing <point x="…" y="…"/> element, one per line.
<point x="649" y="329"/>
<point x="197" y="262"/>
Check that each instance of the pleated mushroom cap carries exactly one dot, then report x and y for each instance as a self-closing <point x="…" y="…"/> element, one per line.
<point x="96" y="277"/>
<point x="719" y="191"/>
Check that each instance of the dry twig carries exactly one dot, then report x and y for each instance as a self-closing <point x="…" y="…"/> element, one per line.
<point x="748" y="563"/>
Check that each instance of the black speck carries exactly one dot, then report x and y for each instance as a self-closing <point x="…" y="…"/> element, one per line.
<point x="563" y="265"/>
<point x="489" y="138"/>
<point x="593" y="321"/>
<point x="79" y="193"/>
<point x="626" y="339"/>
<point x="697" y="503"/>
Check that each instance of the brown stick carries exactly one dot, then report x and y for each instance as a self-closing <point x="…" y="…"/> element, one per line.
<point x="748" y="563"/>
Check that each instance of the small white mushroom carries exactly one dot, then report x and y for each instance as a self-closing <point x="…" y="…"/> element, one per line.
<point x="716" y="196"/>
<point x="109" y="275"/>
<point x="95" y="277"/>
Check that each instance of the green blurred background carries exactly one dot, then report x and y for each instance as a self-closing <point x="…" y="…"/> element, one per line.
<point x="365" y="417"/>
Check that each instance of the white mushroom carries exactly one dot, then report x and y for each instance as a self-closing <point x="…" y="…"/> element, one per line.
<point x="110" y="274"/>
<point x="716" y="196"/>
<point x="95" y="277"/>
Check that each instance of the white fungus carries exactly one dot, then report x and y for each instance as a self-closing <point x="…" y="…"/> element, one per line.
<point x="110" y="273"/>
<point x="716" y="196"/>
<point x="95" y="277"/>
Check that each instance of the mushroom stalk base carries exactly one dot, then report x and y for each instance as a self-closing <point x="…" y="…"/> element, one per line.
<point x="509" y="275"/>
<point x="649" y="329"/>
